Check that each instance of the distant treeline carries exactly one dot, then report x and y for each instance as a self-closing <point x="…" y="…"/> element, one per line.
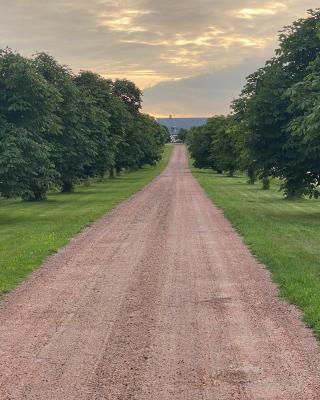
<point x="274" y="127"/>
<point x="58" y="128"/>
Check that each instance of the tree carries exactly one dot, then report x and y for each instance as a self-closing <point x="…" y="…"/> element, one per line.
<point x="267" y="111"/>
<point x="264" y="111"/>
<point x="143" y="144"/>
<point x="57" y="129"/>
<point x="199" y="143"/>
<point x="299" y="49"/>
<point x="305" y="132"/>
<point x="72" y="147"/>
<point x="153" y="138"/>
<point x="240" y="128"/>
<point x="166" y="133"/>
<point x="213" y="145"/>
<point x="27" y="117"/>
<point x="182" y="134"/>
<point x="223" y="146"/>
<point x="110" y="116"/>
<point x="129" y="93"/>
<point x="25" y="166"/>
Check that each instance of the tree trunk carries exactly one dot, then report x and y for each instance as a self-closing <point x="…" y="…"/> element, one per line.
<point x="265" y="183"/>
<point x="251" y="176"/>
<point x="111" y="173"/>
<point x="293" y="188"/>
<point x="101" y="177"/>
<point x="67" y="187"/>
<point x="35" y="196"/>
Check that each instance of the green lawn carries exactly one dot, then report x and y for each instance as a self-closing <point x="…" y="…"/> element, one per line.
<point x="29" y="232"/>
<point x="284" y="235"/>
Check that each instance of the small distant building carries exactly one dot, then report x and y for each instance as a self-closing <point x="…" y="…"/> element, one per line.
<point x="174" y="133"/>
<point x="175" y="124"/>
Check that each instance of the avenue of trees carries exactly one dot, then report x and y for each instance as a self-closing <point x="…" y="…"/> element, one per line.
<point x="274" y="127"/>
<point x="58" y="128"/>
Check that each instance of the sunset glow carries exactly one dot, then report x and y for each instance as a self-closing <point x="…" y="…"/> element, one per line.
<point x="167" y="48"/>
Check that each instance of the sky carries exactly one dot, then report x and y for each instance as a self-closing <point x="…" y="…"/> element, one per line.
<point x="190" y="57"/>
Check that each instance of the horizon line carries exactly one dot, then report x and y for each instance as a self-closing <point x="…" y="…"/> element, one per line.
<point x="179" y="117"/>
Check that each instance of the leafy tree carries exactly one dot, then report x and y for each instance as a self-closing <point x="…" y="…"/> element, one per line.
<point x="240" y="128"/>
<point x="267" y="107"/>
<point x="166" y="133"/>
<point x="299" y="45"/>
<point x="112" y="111"/>
<point x="305" y="132"/>
<point x="25" y="166"/>
<point x="182" y="134"/>
<point x="71" y="146"/>
<point x="299" y="48"/>
<point x="139" y="144"/>
<point x="223" y="146"/>
<point x="27" y="116"/>
<point x="213" y="145"/>
<point x="153" y="138"/>
<point x="143" y="144"/>
<point x="129" y="93"/>
<point x="199" y="143"/>
<point x="265" y="115"/>
<point x="57" y="129"/>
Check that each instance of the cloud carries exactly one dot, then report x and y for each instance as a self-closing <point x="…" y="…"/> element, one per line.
<point x="269" y="9"/>
<point x="123" y="20"/>
<point x="202" y="95"/>
<point x="148" y="41"/>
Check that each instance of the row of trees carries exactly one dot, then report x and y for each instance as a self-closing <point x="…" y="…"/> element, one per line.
<point x="274" y="127"/>
<point x="58" y="128"/>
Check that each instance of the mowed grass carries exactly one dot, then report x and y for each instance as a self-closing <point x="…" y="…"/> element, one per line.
<point x="284" y="235"/>
<point x="29" y="232"/>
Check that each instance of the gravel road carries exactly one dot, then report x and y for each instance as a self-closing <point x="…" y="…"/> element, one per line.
<point x="158" y="300"/>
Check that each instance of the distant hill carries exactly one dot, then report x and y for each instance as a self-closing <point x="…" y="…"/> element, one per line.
<point x="179" y="123"/>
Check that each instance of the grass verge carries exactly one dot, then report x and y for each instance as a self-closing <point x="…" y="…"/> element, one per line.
<point x="29" y="232"/>
<point x="283" y="235"/>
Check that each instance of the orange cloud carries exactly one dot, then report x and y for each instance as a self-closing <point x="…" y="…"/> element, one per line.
<point x="269" y="9"/>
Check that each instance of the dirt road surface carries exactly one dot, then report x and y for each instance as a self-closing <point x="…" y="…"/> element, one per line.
<point x="158" y="300"/>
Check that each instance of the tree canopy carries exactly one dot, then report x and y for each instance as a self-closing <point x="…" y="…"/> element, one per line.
<point x="273" y="130"/>
<point x="58" y="128"/>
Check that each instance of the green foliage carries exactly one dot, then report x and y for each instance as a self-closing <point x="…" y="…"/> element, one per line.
<point x="264" y="116"/>
<point x="152" y="139"/>
<point x="105" y="120"/>
<point x="241" y="146"/>
<point x="27" y="116"/>
<point x="214" y="145"/>
<point x="25" y="166"/>
<point x="129" y="93"/>
<point x="223" y="146"/>
<point x="199" y="142"/>
<point x="182" y="135"/>
<point x="277" y="107"/>
<point x="305" y="127"/>
<point x="72" y="146"/>
<point x="274" y="127"/>
<point x="58" y="129"/>
<point x="166" y="133"/>
<point x="143" y="142"/>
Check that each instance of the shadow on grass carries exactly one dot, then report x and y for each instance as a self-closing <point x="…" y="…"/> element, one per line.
<point x="216" y="175"/>
<point x="294" y="216"/>
<point x="207" y="172"/>
<point x="81" y="192"/>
